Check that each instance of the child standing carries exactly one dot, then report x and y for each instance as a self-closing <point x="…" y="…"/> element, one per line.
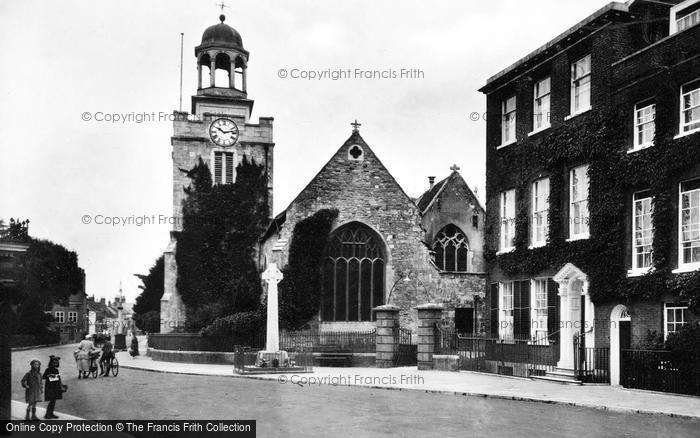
<point x="31" y="382"/>
<point x="54" y="387"/>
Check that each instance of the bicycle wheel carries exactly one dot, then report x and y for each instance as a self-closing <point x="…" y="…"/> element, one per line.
<point x="93" y="370"/>
<point x="115" y="366"/>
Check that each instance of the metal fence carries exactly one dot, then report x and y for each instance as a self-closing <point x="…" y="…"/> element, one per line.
<point x="659" y="370"/>
<point x="406" y="352"/>
<point x="591" y="365"/>
<point x="514" y="357"/>
<point x="352" y="341"/>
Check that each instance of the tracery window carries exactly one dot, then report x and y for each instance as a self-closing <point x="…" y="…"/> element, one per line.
<point x="451" y="250"/>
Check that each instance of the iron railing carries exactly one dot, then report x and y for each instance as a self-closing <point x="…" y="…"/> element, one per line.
<point x="516" y="357"/>
<point x="659" y="370"/>
<point x="591" y="365"/>
<point x="352" y="341"/>
<point x="405" y="351"/>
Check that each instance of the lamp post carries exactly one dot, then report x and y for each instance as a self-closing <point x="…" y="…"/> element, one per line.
<point x="407" y="279"/>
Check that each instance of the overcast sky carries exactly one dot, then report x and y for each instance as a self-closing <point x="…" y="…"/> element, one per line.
<point x="62" y="59"/>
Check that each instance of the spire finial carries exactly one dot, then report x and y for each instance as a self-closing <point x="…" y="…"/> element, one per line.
<point x="355" y="126"/>
<point x="454" y="168"/>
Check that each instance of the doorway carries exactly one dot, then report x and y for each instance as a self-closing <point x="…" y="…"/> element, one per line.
<point x="620" y="338"/>
<point x="464" y="320"/>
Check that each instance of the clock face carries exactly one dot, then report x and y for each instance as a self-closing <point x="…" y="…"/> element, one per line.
<point x="223" y="132"/>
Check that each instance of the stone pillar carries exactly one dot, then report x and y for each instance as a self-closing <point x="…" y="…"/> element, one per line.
<point x="428" y="316"/>
<point x="245" y="81"/>
<point x="199" y="76"/>
<point x="172" y="309"/>
<point x="566" y="334"/>
<point x="212" y="70"/>
<point x="272" y="276"/>
<point x="231" y="74"/>
<point x="387" y="326"/>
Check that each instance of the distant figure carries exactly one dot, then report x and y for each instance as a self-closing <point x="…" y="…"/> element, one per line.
<point x="82" y="356"/>
<point x="54" y="388"/>
<point x="134" y="350"/>
<point x="31" y="382"/>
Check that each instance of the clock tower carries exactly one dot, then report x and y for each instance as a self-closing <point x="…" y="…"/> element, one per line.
<point x="219" y="131"/>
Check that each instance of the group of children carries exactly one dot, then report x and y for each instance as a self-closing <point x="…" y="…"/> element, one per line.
<point x="53" y="390"/>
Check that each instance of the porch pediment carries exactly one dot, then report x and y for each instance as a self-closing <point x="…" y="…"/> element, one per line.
<point x="569" y="272"/>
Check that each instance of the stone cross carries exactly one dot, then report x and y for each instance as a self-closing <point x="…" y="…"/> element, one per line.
<point x="356" y="126"/>
<point x="272" y="276"/>
<point x="454" y="168"/>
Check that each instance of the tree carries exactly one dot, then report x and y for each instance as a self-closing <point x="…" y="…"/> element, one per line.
<point x="217" y="273"/>
<point x="147" y="306"/>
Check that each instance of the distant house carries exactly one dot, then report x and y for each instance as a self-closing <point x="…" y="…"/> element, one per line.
<point x="70" y="318"/>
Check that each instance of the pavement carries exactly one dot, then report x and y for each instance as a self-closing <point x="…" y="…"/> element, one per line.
<point x="19" y="410"/>
<point x="464" y="383"/>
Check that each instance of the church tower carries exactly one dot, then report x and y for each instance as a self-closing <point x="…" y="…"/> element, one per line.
<point x="219" y="131"/>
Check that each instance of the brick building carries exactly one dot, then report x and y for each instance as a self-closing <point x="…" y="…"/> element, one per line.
<point x="589" y="135"/>
<point x="409" y="254"/>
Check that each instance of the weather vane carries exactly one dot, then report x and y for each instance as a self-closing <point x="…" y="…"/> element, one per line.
<point x="222" y="5"/>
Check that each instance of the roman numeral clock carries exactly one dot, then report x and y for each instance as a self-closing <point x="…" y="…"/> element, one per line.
<point x="223" y="132"/>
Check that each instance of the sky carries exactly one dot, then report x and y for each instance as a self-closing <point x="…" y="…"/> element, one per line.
<point x="67" y="61"/>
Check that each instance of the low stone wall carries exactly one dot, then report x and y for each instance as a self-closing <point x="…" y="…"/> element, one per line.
<point x="226" y="358"/>
<point x="446" y="362"/>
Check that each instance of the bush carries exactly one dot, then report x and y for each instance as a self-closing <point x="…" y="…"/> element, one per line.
<point x="684" y="346"/>
<point x="240" y="324"/>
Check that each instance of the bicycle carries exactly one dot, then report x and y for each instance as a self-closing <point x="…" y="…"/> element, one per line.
<point x="93" y="365"/>
<point x="112" y="365"/>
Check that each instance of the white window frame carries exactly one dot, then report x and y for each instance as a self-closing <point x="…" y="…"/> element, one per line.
<point x="687" y="128"/>
<point x="59" y="316"/>
<point x="507" y="218"/>
<point x="538" y="311"/>
<point x="694" y="243"/>
<point x="577" y="83"/>
<point x="72" y="316"/>
<point x="584" y="212"/>
<point x="539" y="108"/>
<point x="641" y="125"/>
<point x="223" y="165"/>
<point x="508" y="120"/>
<point x="685" y="22"/>
<point x="640" y="198"/>
<point x="506" y="310"/>
<point x="676" y="324"/>
<point x="540" y="212"/>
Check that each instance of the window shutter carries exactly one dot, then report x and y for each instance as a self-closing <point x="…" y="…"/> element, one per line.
<point x="229" y="168"/>
<point x="553" y="310"/>
<point x="524" y="332"/>
<point x="517" y="321"/>
<point x="494" y="309"/>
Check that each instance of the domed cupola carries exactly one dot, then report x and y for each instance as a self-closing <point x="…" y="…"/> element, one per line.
<point x="221" y="52"/>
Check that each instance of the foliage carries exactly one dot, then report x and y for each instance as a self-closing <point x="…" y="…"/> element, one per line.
<point x="239" y="324"/>
<point x="653" y="340"/>
<point x="684" y="346"/>
<point x="217" y="274"/>
<point x="300" y="288"/>
<point x="614" y="174"/>
<point x="152" y="287"/>
<point x="148" y="322"/>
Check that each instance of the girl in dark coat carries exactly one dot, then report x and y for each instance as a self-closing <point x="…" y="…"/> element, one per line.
<point x="134" y="350"/>
<point x="31" y="382"/>
<point x="54" y="386"/>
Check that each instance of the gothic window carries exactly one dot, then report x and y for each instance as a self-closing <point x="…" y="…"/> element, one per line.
<point x="451" y="250"/>
<point x="353" y="274"/>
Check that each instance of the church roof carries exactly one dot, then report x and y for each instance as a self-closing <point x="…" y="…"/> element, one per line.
<point x="426" y="199"/>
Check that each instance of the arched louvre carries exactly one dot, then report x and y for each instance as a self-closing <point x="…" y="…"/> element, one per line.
<point x="451" y="250"/>
<point x="353" y="274"/>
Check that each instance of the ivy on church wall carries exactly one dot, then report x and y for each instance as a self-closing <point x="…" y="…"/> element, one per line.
<point x="217" y="273"/>
<point x="300" y="289"/>
<point x="594" y="139"/>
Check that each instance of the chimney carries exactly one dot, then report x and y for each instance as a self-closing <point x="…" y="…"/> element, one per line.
<point x="431" y="181"/>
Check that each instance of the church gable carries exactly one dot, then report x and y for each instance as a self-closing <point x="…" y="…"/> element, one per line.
<point x="355" y="179"/>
